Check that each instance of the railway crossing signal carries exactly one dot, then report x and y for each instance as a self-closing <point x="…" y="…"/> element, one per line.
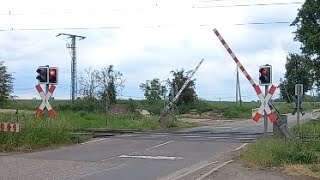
<point x="265" y="75"/>
<point x="266" y="72"/>
<point x="48" y="76"/>
<point x="53" y="75"/>
<point x="43" y="74"/>
<point x="265" y="106"/>
<point x="45" y="101"/>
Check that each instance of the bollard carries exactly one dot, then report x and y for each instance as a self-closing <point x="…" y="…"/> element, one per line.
<point x="276" y="130"/>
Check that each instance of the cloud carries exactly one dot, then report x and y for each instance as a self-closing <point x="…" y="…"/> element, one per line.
<point x="152" y="40"/>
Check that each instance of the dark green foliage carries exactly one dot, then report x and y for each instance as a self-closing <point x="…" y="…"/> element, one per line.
<point x="131" y="105"/>
<point x="308" y="27"/>
<point x="188" y="95"/>
<point x="153" y="90"/>
<point x="111" y="92"/>
<point x="308" y="33"/>
<point x="111" y="82"/>
<point x="82" y="105"/>
<point x="298" y="70"/>
<point x="6" y="86"/>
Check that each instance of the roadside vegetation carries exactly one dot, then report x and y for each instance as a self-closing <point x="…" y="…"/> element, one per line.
<point x="299" y="156"/>
<point x="198" y="107"/>
<point x="38" y="133"/>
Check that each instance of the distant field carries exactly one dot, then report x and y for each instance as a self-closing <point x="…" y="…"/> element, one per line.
<point x="226" y="109"/>
<point x="31" y="104"/>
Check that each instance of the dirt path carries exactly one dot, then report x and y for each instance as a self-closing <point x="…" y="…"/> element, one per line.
<point x="236" y="171"/>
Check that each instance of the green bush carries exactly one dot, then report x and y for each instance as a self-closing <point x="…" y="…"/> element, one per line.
<point x="82" y="105"/>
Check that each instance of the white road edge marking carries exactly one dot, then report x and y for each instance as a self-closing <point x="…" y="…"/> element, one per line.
<point x="226" y="137"/>
<point x="158" y="145"/>
<point x="213" y="170"/>
<point x="108" y="169"/>
<point x="96" y="140"/>
<point x="238" y="148"/>
<point x="186" y="171"/>
<point x="151" y="157"/>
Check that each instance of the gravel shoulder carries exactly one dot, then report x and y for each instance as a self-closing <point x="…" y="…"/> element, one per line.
<point x="235" y="170"/>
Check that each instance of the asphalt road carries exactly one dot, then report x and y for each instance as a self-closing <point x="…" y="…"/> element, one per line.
<point x="179" y="155"/>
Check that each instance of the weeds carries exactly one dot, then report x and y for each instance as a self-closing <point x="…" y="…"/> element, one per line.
<point x="304" y="153"/>
<point x="37" y="133"/>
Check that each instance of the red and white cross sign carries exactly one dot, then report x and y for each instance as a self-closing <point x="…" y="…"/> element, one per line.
<point x="45" y="101"/>
<point x="265" y="106"/>
<point x="264" y="99"/>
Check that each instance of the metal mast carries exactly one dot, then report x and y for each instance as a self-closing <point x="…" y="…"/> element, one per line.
<point x="73" y="63"/>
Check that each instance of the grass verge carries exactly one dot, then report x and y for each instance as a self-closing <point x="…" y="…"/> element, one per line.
<point x="296" y="157"/>
<point x="38" y="133"/>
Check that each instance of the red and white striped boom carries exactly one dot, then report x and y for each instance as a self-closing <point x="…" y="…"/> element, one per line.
<point x="264" y="99"/>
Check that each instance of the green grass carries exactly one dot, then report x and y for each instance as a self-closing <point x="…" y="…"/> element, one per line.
<point x="38" y="133"/>
<point x="308" y="130"/>
<point x="226" y="109"/>
<point x="31" y="104"/>
<point x="270" y="152"/>
<point x="35" y="134"/>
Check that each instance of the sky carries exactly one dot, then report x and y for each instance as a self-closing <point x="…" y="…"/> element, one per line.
<point x="146" y="39"/>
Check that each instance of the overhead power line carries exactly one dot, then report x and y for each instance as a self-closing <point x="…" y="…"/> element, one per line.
<point x="247" y="5"/>
<point x="159" y="26"/>
<point x="253" y="23"/>
<point x="64" y="28"/>
<point x="12" y="13"/>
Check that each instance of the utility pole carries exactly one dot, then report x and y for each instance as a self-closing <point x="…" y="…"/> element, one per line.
<point x="73" y="63"/>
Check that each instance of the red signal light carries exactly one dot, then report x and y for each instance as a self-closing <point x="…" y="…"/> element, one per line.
<point x="53" y="75"/>
<point x="263" y="71"/>
<point x="265" y="77"/>
<point x="53" y="72"/>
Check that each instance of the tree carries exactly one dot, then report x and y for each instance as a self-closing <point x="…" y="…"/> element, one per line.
<point x="111" y="83"/>
<point x="153" y="90"/>
<point x="308" y="33"/>
<point x="188" y="95"/>
<point x="104" y="85"/>
<point x="89" y="84"/>
<point x="298" y="70"/>
<point x="308" y="27"/>
<point x="6" y="84"/>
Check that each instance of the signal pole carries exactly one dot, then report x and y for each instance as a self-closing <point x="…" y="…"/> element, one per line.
<point x="238" y="91"/>
<point x="73" y="63"/>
